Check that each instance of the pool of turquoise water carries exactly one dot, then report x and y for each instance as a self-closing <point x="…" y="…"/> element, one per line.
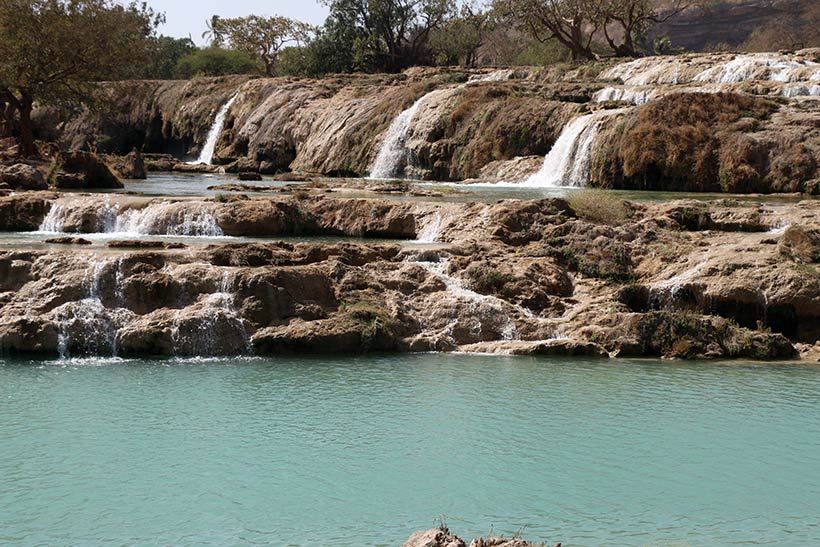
<point x="362" y="451"/>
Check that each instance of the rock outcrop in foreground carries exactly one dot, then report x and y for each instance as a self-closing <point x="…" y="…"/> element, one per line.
<point x="441" y="537"/>
<point x="593" y="276"/>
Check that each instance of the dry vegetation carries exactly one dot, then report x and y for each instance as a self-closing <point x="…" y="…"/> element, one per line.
<point x="703" y="142"/>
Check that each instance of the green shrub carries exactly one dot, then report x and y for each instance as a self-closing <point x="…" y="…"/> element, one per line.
<point x="215" y="61"/>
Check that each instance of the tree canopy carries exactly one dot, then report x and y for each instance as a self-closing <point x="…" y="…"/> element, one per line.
<point x="261" y="37"/>
<point x="52" y="51"/>
<point x="578" y="23"/>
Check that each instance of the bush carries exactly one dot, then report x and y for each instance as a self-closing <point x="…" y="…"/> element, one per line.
<point x="215" y="61"/>
<point x="599" y="206"/>
<point x="675" y="142"/>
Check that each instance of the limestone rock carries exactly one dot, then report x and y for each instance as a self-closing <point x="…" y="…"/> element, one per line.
<point x="130" y="166"/>
<point x="434" y="538"/>
<point x="24" y="212"/>
<point x="93" y="170"/>
<point x="23" y="177"/>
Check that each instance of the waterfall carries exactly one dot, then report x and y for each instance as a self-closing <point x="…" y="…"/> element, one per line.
<point x="86" y="325"/>
<point x="392" y="157"/>
<point x="161" y="218"/>
<point x="168" y="219"/>
<point x="569" y="160"/>
<point x="485" y="311"/>
<point x="800" y="90"/>
<point x="206" y="156"/>
<point x="628" y="95"/>
<point x="212" y="326"/>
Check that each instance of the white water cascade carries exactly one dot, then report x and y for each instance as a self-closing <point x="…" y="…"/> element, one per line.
<point x="636" y="96"/>
<point x="393" y="156"/>
<point x="87" y="326"/>
<point x="802" y="90"/>
<point x="569" y="160"/>
<point x="485" y="312"/>
<point x="206" y="156"/>
<point x="161" y="218"/>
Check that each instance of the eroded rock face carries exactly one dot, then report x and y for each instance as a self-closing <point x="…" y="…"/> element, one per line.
<point x="518" y="277"/>
<point x="24" y="212"/>
<point x="706" y="122"/>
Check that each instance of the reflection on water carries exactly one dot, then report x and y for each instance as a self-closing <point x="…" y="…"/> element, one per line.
<point x="362" y="451"/>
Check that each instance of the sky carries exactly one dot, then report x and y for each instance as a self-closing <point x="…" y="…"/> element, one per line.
<point x="187" y="17"/>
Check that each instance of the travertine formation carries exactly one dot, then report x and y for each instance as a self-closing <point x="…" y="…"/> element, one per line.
<point x="705" y="122"/>
<point x="681" y="279"/>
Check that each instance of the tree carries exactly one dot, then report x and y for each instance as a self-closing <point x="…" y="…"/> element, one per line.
<point x="166" y="53"/>
<point x="214" y="61"/>
<point x="459" y="39"/>
<point x="261" y="37"/>
<point x="573" y="23"/>
<point x="213" y="34"/>
<point x="576" y="23"/>
<point x="386" y="35"/>
<point x="631" y="20"/>
<point x="53" y="51"/>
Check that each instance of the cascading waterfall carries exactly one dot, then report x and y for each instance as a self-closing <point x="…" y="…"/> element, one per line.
<point x="162" y="218"/>
<point x="740" y="68"/>
<point x="486" y="311"/>
<point x="802" y="90"/>
<point x="569" y="160"/>
<point x="215" y="328"/>
<point x="168" y="219"/>
<point x="394" y="157"/>
<point x="87" y="325"/>
<point x="206" y="156"/>
<point x="635" y="96"/>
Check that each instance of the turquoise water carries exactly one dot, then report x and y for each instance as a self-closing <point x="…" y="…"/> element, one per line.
<point x="363" y="451"/>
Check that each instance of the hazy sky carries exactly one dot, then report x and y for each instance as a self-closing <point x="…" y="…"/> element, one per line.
<point x="188" y="17"/>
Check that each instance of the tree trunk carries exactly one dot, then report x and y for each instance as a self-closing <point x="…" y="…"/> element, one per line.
<point x="6" y="113"/>
<point x="26" y="132"/>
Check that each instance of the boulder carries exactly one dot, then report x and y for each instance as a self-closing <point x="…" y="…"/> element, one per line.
<point x="94" y="171"/>
<point x="23" y="176"/>
<point x="24" y="212"/>
<point x="801" y="244"/>
<point x="130" y="166"/>
<point x="437" y="537"/>
<point x="67" y="240"/>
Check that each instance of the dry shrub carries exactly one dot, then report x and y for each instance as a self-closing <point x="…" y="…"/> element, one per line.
<point x="792" y="167"/>
<point x="743" y="163"/>
<point x="599" y="206"/>
<point x="674" y="142"/>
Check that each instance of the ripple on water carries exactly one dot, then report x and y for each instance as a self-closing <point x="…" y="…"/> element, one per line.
<point x="363" y="451"/>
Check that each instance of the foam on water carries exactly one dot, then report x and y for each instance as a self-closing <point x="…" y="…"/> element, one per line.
<point x="569" y="160"/>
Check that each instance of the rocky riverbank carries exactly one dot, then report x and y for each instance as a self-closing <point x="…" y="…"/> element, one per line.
<point x="705" y="122"/>
<point x="592" y="275"/>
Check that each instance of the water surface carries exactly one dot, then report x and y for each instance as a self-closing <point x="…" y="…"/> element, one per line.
<point x="363" y="451"/>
